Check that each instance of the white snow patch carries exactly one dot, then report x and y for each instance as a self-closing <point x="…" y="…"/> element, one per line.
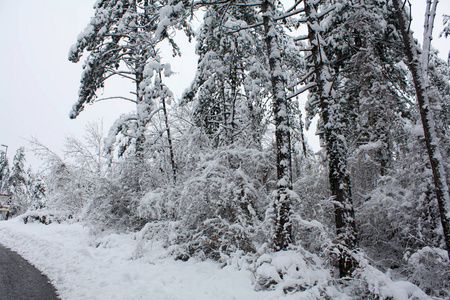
<point x="370" y="146"/>
<point x="82" y="266"/>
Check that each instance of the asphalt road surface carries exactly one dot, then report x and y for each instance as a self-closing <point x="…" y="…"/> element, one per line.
<point x="19" y="280"/>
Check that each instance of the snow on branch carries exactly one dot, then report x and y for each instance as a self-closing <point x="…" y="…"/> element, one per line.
<point x="302" y="89"/>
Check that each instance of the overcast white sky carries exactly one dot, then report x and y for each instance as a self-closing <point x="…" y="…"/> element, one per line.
<point x="38" y="85"/>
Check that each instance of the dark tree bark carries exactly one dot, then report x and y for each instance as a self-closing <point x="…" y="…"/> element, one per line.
<point x="282" y="204"/>
<point x="141" y="124"/>
<point x="339" y="176"/>
<point x="169" y="140"/>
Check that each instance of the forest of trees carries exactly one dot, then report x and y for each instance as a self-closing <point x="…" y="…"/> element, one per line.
<point x="226" y="170"/>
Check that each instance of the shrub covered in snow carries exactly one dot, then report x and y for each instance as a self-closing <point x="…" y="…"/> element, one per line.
<point x="371" y="283"/>
<point x="293" y="271"/>
<point x="429" y="269"/>
<point x="220" y="205"/>
<point x="45" y="216"/>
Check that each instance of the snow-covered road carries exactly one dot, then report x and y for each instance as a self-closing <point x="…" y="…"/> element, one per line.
<point x="20" y="280"/>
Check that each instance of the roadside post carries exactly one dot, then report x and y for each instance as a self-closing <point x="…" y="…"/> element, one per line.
<point x="4" y="209"/>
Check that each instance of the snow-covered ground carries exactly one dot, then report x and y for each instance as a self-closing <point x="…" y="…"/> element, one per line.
<point x="82" y="266"/>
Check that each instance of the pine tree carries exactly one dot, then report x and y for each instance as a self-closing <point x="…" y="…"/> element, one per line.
<point x="4" y="170"/>
<point x="333" y="125"/>
<point x="17" y="185"/>
<point x="365" y="52"/>
<point x="280" y="107"/>
<point x="36" y="190"/>
<point x="229" y="85"/>
<point x="122" y="40"/>
<point x="18" y="174"/>
<point x="267" y="17"/>
<point x="446" y="31"/>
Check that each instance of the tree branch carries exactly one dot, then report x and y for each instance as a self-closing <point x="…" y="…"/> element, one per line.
<point x="301" y="90"/>
<point x="117" y="97"/>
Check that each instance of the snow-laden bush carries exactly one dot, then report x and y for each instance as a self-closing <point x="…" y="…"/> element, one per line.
<point x="313" y="213"/>
<point x="370" y="283"/>
<point x="401" y="212"/>
<point x="159" y="204"/>
<point x="45" y="216"/>
<point x="294" y="271"/>
<point x="217" y="238"/>
<point x="160" y="239"/>
<point x="220" y="203"/>
<point x="67" y="189"/>
<point x="112" y="208"/>
<point x="429" y="268"/>
<point x="224" y="201"/>
<point x="114" y="202"/>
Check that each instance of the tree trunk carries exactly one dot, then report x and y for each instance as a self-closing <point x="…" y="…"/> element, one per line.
<point x="141" y="124"/>
<point x="282" y="203"/>
<point x="169" y="140"/>
<point x="339" y="177"/>
<point x="419" y="74"/>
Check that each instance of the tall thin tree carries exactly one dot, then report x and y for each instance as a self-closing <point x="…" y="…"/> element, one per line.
<point x="418" y="65"/>
<point x="337" y="152"/>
